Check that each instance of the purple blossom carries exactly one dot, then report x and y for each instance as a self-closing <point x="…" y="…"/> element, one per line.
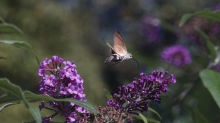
<point x="151" y="28"/>
<point x="216" y="8"/>
<point x="134" y="97"/>
<point x="59" y="79"/>
<point x="177" y="55"/>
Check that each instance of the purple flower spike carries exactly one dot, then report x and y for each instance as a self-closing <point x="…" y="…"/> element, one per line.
<point x="59" y="79"/>
<point x="134" y="97"/>
<point x="177" y="55"/>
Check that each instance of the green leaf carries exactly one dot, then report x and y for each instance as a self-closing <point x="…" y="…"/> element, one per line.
<point x="9" y="28"/>
<point x="21" y="44"/>
<point x="198" y="117"/>
<point x="8" y="99"/>
<point x="35" y="113"/>
<point x="2" y="20"/>
<point x="206" y="13"/>
<point x="148" y="119"/>
<point x="107" y="94"/>
<point x="6" y="105"/>
<point x="208" y="43"/>
<point x="15" y="90"/>
<point x="30" y="96"/>
<point x="211" y="81"/>
<point x="155" y="112"/>
<point x="143" y="118"/>
<point x="184" y="18"/>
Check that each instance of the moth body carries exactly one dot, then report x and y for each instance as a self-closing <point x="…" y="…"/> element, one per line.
<point x="118" y="51"/>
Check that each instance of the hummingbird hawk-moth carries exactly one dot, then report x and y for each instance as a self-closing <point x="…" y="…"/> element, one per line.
<point x="119" y="51"/>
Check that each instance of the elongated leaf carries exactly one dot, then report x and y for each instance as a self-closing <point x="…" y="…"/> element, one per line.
<point x="211" y="80"/>
<point x="148" y="119"/>
<point x="9" y="28"/>
<point x="6" y="105"/>
<point x="208" y="43"/>
<point x="29" y="96"/>
<point x="21" y="44"/>
<point x="15" y="90"/>
<point x="2" y="20"/>
<point x="107" y="94"/>
<point x="196" y="115"/>
<point x="35" y="113"/>
<point x="9" y="98"/>
<point x="184" y="19"/>
<point x="206" y="13"/>
<point x="155" y="112"/>
<point x="143" y="118"/>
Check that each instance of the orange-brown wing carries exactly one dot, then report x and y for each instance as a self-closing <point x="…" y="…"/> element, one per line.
<point x="119" y="45"/>
<point x="111" y="48"/>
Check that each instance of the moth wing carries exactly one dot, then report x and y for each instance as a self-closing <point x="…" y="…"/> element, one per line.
<point x="119" y="45"/>
<point x="112" y="51"/>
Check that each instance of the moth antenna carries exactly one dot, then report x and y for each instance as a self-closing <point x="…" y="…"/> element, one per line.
<point x="137" y="63"/>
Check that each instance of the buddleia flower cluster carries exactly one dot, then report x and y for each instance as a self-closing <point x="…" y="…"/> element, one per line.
<point x="133" y="98"/>
<point x="59" y="79"/>
<point x="177" y="55"/>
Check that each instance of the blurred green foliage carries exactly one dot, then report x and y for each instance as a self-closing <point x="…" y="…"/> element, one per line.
<point x="74" y="30"/>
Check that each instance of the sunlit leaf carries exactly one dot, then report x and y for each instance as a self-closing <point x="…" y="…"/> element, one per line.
<point x="6" y="105"/>
<point x="208" y="43"/>
<point x="211" y="80"/>
<point x="21" y="44"/>
<point x="107" y="94"/>
<point x="155" y="112"/>
<point x="143" y="118"/>
<point x="206" y="13"/>
<point x="9" y="28"/>
<point x="29" y="96"/>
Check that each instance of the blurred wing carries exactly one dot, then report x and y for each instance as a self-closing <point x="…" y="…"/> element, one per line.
<point x="111" y="48"/>
<point x="119" y="45"/>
